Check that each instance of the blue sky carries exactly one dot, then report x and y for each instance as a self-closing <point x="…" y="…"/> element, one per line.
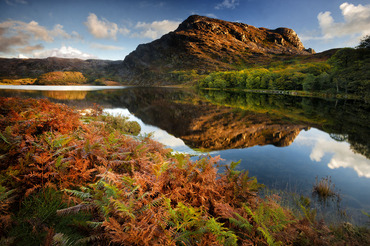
<point x="111" y="29"/>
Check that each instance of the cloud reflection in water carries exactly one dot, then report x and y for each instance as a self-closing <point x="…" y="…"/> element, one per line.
<point x="342" y="156"/>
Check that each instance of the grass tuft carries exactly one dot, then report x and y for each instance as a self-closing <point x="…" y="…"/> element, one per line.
<point x="324" y="188"/>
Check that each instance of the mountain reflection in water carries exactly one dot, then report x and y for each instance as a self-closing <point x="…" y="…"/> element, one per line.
<point x="203" y="125"/>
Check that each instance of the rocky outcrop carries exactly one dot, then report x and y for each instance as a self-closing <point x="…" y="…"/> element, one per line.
<point x="206" y="44"/>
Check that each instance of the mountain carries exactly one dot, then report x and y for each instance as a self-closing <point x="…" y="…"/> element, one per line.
<point x="200" y="43"/>
<point x="206" y="44"/>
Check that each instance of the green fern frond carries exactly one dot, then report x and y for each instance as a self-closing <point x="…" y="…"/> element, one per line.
<point x="5" y="195"/>
<point x="74" y="209"/>
<point x="4" y="138"/>
<point x="248" y="210"/>
<point x="129" y="194"/>
<point x="89" y="240"/>
<point x="269" y="220"/>
<point x="111" y="190"/>
<point x="233" y="165"/>
<point x="270" y="240"/>
<point x="241" y="222"/>
<point x="59" y="239"/>
<point x="223" y="235"/>
<point x="367" y="214"/>
<point x="80" y="194"/>
<point x="94" y="224"/>
<point x="64" y="150"/>
<point x="309" y="214"/>
<point x="128" y="181"/>
<point x="124" y="209"/>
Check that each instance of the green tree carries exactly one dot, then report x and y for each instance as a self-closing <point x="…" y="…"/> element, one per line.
<point x="365" y="42"/>
<point x="343" y="58"/>
<point x="324" y="81"/>
<point x="308" y="82"/>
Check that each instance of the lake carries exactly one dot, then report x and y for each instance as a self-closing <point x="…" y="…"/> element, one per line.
<point x="287" y="142"/>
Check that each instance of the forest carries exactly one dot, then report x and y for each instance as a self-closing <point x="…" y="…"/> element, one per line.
<point x="346" y="72"/>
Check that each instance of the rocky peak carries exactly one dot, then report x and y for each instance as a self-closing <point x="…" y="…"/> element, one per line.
<point x="290" y="36"/>
<point x="242" y="32"/>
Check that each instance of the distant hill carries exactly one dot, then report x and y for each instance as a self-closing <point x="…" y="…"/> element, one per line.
<point x="200" y="43"/>
<point x="21" y="68"/>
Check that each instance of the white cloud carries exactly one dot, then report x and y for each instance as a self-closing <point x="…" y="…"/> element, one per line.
<point x="105" y="47"/>
<point x="31" y="48"/>
<point x="155" y="29"/>
<point x="124" y="31"/>
<point x="76" y="35"/>
<point x="356" y="22"/>
<point x="32" y="28"/>
<point x="103" y="28"/>
<point x="211" y="15"/>
<point x="7" y="44"/>
<point x="58" y="31"/>
<point x="18" y="33"/>
<point x="21" y="56"/>
<point x="64" y="52"/>
<point x="227" y="4"/>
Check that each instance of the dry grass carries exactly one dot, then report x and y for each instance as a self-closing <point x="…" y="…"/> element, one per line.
<point x="324" y="188"/>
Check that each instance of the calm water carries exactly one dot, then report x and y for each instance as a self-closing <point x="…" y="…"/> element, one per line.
<point x="285" y="141"/>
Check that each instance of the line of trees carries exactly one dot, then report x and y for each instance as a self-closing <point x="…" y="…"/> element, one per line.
<point x="347" y="71"/>
<point x="291" y="77"/>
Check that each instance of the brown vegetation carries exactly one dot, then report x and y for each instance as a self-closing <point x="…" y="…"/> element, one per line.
<point x="324" y="188"/>
<point x="24" y="81"/>
<point x="61" y="78"/>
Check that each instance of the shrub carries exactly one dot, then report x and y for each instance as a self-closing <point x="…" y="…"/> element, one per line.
<point x="61" y="78"/>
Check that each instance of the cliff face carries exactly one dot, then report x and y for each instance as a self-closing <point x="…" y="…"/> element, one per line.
<point x="207" y="44"/>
